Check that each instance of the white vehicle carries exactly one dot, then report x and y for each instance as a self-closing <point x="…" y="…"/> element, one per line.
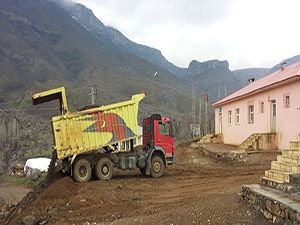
<point x="36" y="164"/>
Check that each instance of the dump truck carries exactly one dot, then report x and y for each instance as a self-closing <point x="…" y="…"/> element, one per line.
<point x="88" y="141"/>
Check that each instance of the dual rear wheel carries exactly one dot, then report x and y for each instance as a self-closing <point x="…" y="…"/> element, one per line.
<point x="82" y="170"/>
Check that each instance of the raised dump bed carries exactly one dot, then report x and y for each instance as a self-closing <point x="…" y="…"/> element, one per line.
<point x="87" y="141"/>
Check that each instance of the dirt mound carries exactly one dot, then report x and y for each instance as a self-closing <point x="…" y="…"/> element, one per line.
<point x="34" y="194"/>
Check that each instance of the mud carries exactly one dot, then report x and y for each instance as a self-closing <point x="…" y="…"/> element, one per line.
<point x="197" y="190"/>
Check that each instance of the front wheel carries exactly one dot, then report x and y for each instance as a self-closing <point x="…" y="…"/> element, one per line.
<point x="157" y="167"/>
<point x="82" y="171"/>
<point x="104" y="169"/>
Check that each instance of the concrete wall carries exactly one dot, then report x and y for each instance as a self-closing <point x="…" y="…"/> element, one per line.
<point x="287" y="120"/>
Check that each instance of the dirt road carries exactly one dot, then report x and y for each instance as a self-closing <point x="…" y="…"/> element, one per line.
<point x="197" y="190"/>
<point x="10" y="194"/>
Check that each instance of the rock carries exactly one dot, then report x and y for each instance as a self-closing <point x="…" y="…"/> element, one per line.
<point x="19" y="211"/>
<point x="35" y="174"/>
<point x="43" y="222"/>
<point x="268" y="215"/>
<point x="288" y="222"/>
<point x="298" y="216"/>
<point x="3" y="215"/>
<point x="53" y="211"/>
<point x="120" y="186"/>
<point x="30" y="220"/>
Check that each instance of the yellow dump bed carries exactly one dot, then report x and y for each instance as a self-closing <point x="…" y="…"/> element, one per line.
<point x="92" y="129"/>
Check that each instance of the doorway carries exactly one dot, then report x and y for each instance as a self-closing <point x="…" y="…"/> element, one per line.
<point x="273" y="116"/>
<point x="220" y="123"/>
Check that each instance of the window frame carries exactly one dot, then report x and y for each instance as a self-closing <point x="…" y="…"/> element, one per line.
<point x="237" y="116"/>
<point x="167" y="129"/>
<point x="251" y="114"/>
<point x="286" y="103"/>
<point x="230" y="117"/>
<point x="262" y="107"/>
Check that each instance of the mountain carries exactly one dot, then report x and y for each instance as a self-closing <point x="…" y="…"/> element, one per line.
<point x="288" y="62"/>
<point x="213" y="76"/>
<point x="116" y="39"/>
<point x="244" y="74"/>
<point x="42" y="46"/>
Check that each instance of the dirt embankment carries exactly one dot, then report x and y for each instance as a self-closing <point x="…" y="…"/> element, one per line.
<point x="197" y="190"/>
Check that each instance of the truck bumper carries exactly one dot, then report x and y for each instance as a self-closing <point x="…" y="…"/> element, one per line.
<point x="170" y="160"/>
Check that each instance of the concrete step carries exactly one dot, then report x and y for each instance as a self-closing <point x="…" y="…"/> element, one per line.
<point x="278" y="176"/>
<point x="285" y="167"/>
<point x="267" y="179"/>
<point x="291" y="154"/>
<point x="295" y="144"/>
<point x="282" y="159"/>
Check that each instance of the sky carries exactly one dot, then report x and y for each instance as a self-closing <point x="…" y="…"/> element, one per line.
<point x="247" y="33"/>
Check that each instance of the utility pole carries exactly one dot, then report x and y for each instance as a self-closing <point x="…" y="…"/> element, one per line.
<point x="93" y="93"/>
<point x="206" y="112"/>
<point x="154" y="88"/>
<point x="193" y="104"/>
<point x="200" y="114"/>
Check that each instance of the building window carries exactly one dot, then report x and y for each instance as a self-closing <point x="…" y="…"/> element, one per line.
<point x="262" y="107"/>
<point x="251" y="114"/>
<point x="237" y="116"/>
<point x="229" y="117"/>
<point x="286" y="100"/>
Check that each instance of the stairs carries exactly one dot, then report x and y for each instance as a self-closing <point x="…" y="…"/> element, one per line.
<point x="212" y="139"/>
<point x="285" y="171"/>
<point x="251" y="143"/>
<point x="260" y="141"/>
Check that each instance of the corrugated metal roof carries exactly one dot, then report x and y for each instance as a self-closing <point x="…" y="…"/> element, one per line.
<point x="274" y="78"/>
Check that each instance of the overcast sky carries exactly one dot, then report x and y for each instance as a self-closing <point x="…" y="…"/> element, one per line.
<point x="247" y="33"/>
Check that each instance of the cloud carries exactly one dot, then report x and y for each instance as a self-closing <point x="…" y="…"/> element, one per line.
<point x="247" y="33"/>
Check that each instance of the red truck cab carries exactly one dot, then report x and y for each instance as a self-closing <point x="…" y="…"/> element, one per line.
<point x="158" y="135"/>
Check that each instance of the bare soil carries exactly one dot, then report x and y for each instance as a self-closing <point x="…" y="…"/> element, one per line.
<point x="10" y="194"/>
<point x="197" y="190"/>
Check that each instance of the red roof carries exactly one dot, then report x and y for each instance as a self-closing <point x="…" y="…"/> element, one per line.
<point x="270" y="80"/>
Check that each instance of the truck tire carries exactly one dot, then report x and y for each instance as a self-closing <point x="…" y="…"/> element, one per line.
<point x="157" y="167"/>
<point x="82" y="171"/>
<point x="104" y="169"/>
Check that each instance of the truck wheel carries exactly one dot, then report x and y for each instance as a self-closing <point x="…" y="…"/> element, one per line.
<point x="82" y="171"/>
<point x="157" y="167"/>
<point x="104" y="169"/>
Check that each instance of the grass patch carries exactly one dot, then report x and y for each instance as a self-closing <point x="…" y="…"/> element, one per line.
<point x="23" y="181"/>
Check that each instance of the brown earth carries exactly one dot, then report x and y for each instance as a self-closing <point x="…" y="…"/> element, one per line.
<point x="10" y="194"/>
<point x="197" y="190"/>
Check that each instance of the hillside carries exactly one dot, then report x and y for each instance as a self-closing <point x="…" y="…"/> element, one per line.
<point x="244" y="74"/>
<point x="116" y="39"/>
<point x="41" y="47"/>
<point x="54" y="50"/>
<point x="288" y="61"/>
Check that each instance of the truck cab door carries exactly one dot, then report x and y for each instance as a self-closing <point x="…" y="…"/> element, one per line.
<point x="164" y="137"/>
